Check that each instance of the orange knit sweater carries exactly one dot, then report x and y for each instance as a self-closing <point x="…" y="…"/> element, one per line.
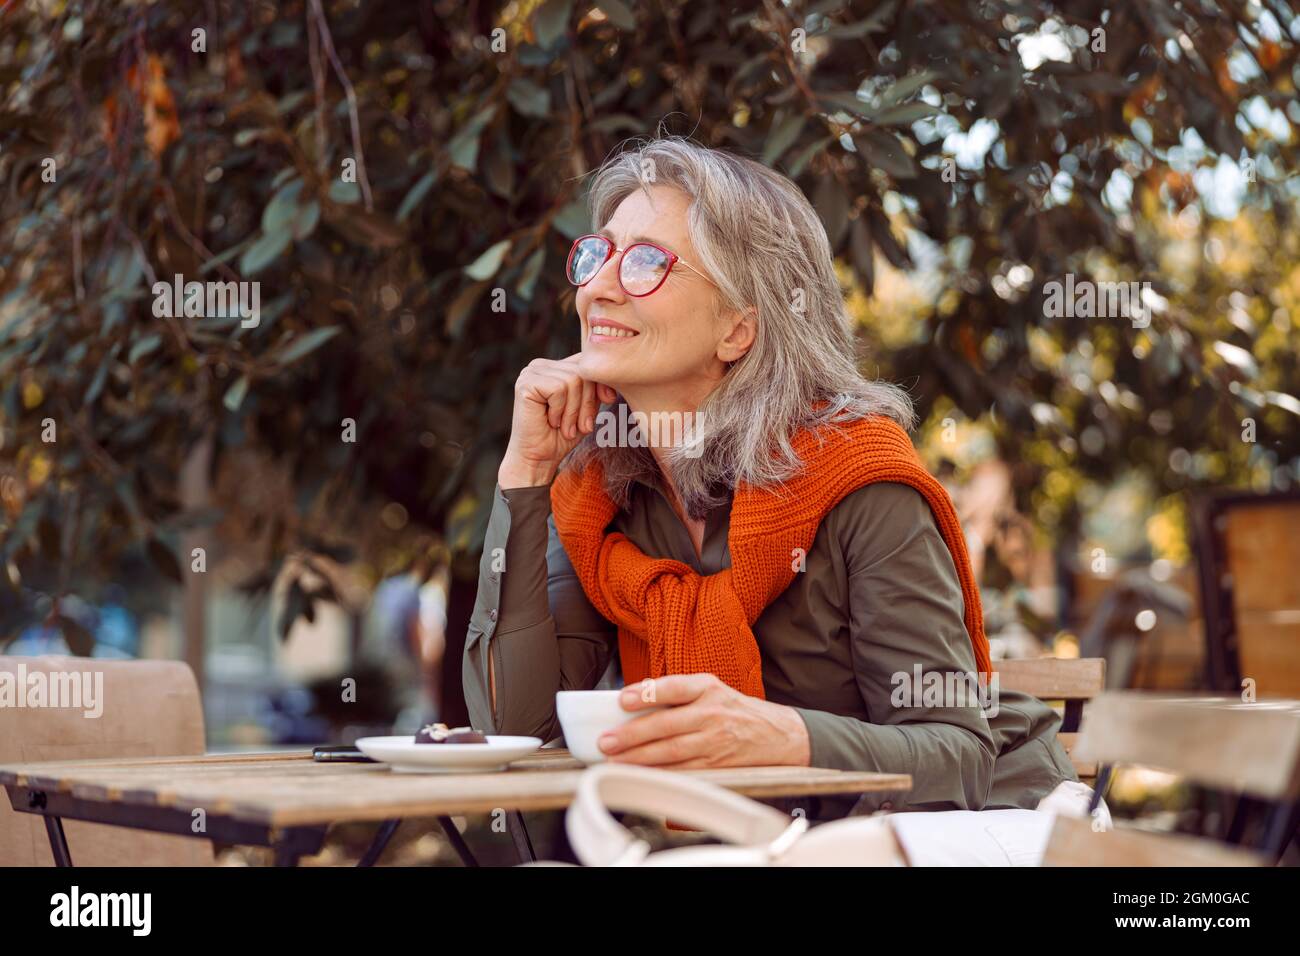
<point x="671" y="620"/>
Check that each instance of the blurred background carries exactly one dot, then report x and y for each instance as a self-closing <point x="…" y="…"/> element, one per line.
<point x="299" y="504"/>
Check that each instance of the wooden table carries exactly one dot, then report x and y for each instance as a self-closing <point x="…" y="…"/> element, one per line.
<point x="287" y="800"/>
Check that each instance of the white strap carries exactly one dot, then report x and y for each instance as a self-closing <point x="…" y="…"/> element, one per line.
<point x="767" y="837"/>
<point x="763" y="833"/>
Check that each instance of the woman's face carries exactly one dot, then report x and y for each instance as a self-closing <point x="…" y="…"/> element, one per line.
<point x="679" y="341"/>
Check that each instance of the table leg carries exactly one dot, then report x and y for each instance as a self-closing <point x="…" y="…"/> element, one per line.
<point x="519" y="832"/>
<point x="457" y="841"/>
<point x="58" y="841"/>
<point x="1099" y="788"/>
<point x="1282" y="824"/>
<point x="292" y="844"/>
<point x="1237" y="825"/>
<point x="386" y="831"/>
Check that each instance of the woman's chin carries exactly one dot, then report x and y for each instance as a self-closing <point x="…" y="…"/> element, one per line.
<point x="599" y="368"/>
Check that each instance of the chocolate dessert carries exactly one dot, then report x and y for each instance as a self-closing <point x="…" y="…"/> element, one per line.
<point x="442" y="734"/>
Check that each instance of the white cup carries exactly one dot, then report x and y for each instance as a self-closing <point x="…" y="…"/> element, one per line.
<point x="586" y="714"/>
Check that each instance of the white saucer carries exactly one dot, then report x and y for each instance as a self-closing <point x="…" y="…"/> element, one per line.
<point x="404" y="755"/>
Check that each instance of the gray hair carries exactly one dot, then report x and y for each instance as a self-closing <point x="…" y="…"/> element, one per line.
<point x="758" y="237"/>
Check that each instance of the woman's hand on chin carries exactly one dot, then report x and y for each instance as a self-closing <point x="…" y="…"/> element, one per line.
<point x="706" y="724"/>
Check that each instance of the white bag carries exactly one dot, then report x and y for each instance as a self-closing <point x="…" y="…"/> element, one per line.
<point x="758" y="835"/>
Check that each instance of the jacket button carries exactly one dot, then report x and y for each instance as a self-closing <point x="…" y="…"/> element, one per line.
<point x="492" y="614"/>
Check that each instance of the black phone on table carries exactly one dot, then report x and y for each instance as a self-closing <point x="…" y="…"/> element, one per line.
<point x="342" y="753"/>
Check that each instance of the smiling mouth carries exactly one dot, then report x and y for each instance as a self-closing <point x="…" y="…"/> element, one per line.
<point x="602" y="333"/>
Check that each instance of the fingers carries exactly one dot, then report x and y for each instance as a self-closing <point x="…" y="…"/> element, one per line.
<point x="556" y="396"/>
<point x="673" y="690"/>
<point x="573" y="388"/>
<point x="590" y="406"/>
<point x="555" y="385"/>
<point x="572" y="401"/>
<point x="604" y="393"/>
<point x="662" y="725"/>
<point x="681" y="752"/>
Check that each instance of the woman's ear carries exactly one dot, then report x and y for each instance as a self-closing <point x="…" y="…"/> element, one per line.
<point x="740" y="338"/>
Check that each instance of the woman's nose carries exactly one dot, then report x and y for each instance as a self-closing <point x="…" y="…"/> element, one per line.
<point x="605" y="284"/>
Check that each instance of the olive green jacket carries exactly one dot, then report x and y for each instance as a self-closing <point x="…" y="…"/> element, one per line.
<point x="878" y="596"/>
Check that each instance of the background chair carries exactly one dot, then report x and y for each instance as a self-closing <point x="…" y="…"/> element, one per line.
<point x="1073" y="682"/>
<point x="1248" y="548"/>
<point x="1218" y="742"/>
<point x="150" y="709"/>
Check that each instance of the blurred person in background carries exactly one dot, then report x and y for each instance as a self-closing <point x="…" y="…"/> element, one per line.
<point x="405" y="635"/>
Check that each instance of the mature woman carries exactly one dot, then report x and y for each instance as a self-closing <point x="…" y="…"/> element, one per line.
<point x="783" y="571"/>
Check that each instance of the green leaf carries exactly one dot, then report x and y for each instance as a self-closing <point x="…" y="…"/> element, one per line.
<point x="528" y="277"/>
<point x="264" y="251"/>
<point x="551" y="20"/>
<point x="528" y="98"/>
<point x="883" y="236"/>
<point x="487" y="264"/>
<point x="307" y="343"/>
<point x="619" y="13"/>
<point x="852" y="30"/>
<point x="833" y="102"/>
<point x="416" y="194"/>
<point x="344" y="193"/>
<point x="234" y="396"/>
<point x="463" y="147"/>
<point x="906" y="86"/>
<point x="459" y="310"/>
<point x="906" y="115"/>
<point x="782" y="136"/>
<point x="805" y="155"/>
<point x="97" y="383"/>
<point x="832" y="205"/>
<point x="872" y="24"/>
<point x="573" y="220"/>
<point x="863" y="258"/>
<point x="287" y="103"/>
<point x="226" y="256"/>
<point x="283" y="207"/>
<point x="884" y="151"/>
<point x="305" y="222"/>
<point x="143" y="347"/>
<point x="499" y="170"/>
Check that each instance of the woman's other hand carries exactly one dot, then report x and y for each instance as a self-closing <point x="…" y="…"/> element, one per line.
<point x="706" y="724"/>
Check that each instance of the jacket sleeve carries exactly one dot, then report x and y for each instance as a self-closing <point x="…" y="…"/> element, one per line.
<point x="905" y="607"/>
<point x="532" y="616"/>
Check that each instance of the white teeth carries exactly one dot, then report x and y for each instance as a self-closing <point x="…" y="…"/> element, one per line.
<point x="610" y="330"/>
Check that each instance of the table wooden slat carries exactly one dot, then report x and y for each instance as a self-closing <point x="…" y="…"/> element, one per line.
<point x="294" y="790"/>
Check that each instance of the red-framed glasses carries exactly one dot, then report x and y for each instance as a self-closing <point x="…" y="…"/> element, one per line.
<point x="641" y="271"/>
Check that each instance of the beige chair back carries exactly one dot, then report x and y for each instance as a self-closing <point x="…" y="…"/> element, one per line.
<point x="149" y="709"/>
<point x="1221" y="742"/>
<point x="1074" y="681"/>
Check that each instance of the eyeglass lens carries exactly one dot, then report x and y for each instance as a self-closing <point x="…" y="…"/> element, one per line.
<point x="641" y="270"/>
